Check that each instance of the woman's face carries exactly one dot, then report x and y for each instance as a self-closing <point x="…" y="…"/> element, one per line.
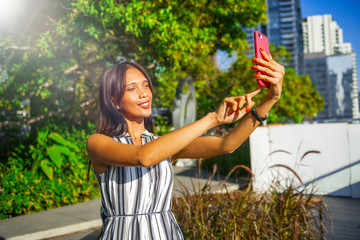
<point x="135" y="105"/>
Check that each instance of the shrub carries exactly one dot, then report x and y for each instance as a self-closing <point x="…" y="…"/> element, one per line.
<point x="277" y="214"/>
<point x="51" y="172"/>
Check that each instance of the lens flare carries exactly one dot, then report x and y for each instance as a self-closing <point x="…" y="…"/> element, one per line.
<point x="9" y="10"/>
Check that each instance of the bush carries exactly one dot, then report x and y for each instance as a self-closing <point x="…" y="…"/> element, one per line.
<point x="225" y="162"/>
<point x="278" y="214"/>
<point x="51" y="172"/>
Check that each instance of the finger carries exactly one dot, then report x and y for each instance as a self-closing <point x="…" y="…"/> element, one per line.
<point x="267" y="59"/>
<point x="241" y="100"/>
<point x="255" y="92"/>
<point x="244" y="110"/>
<point x="249" y="103"/>
<point x="263" y="70"/>
<point x="271" y="65"/>
<point x="265" y="55"/>
<point x="266" y="78"/>
<point x="231" y="103"/>
<point x="248" y="100"/>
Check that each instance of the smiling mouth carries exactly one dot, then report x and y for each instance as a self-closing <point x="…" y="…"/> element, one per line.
<point x="145" y="104"/>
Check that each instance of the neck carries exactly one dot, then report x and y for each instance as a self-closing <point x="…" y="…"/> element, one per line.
<point x="135" y="128"/>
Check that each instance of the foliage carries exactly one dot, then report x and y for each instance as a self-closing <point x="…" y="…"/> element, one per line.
<point x="280" y="213"/>
<point x="161" y="125"/>
<point x="299" y="98"/>
<point x="61" y="64"/>
<point x="48" y="156"/>
<point x="57" y="66"/>
<point x="226" y="162"/>
<point x="28" y="187"/>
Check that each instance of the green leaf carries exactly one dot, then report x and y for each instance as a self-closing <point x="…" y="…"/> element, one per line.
<point x="48" y="170"/>
<point x="66" y="151"/>
<point x="37" y="157"/>
<point x="42" y="134"/>
<point x="54" y="153"/>
<point x="59" y="139"/>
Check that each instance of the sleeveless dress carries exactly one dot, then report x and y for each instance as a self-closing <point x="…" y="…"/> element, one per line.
<point x="136" y="201"/>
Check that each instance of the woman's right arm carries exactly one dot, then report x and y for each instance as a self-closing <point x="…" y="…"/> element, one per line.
<point x="104" y="151"/>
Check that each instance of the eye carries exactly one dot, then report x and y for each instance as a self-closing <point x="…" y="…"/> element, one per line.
<point x="146" y="84"/>
<point x="130" y="89"/>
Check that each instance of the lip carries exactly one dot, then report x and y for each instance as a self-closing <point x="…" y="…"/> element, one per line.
<point x="145" y="105"/>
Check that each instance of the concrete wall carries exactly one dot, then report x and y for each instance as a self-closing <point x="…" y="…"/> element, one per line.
<point x="325" y="156"/>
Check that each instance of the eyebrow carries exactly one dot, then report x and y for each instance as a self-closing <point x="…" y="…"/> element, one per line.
<point x="132" y="83"/>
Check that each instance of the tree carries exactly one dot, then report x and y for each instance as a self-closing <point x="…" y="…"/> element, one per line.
<point x="57" y="65"/>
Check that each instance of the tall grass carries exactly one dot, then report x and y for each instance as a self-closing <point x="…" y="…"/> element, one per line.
<point x="280" y="213"/>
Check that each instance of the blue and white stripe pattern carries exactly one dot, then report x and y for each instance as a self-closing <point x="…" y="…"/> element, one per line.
<point x="137" y="200"/>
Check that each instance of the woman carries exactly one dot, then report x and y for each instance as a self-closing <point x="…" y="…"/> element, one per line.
<point x="133" y="165"/>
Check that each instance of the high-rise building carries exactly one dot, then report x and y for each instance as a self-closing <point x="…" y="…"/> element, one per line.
<point x="334" y="78"/>
<point x="322" y="34"/>
<point x="331" y="65"/>
<point x="284" y="28"/>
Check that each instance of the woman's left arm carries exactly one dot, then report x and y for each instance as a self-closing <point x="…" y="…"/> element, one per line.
<point x="232" y="109"/>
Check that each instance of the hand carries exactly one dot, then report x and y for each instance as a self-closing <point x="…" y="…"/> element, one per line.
<point x="234" y="108"/>
<point x="272" y="72"/>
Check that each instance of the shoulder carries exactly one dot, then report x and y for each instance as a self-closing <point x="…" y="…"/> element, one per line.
<point x="100" y="147"/>
<point x="97" y="139"/>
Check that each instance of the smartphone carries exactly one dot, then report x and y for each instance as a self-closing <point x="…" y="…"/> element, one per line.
<point x="261" y="41"/>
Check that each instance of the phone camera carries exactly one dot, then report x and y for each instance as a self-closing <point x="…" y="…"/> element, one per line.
<point x="259" y="35"/>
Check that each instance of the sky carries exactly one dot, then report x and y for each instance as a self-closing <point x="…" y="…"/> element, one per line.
<point x="347" y="15"/>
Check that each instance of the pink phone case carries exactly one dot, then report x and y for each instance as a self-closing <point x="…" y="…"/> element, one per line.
<point x="261" y="41"/>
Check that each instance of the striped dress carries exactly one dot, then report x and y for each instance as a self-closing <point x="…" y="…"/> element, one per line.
<point x="136" y="201"/>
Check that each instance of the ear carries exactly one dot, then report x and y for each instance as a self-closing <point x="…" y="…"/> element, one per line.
<point x="116" y="105"/>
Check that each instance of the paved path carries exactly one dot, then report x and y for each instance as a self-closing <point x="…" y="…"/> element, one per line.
<point x="342" y="218"/>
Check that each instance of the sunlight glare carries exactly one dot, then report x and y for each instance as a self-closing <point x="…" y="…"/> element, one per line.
<point x="9" y="9"/>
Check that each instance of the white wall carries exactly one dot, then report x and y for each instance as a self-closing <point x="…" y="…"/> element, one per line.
<point x="333" y="171"/>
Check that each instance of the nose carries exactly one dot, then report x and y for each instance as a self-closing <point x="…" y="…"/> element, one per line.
<point x="142" y="93"/>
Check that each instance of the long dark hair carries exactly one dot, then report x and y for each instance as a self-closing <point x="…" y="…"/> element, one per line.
<point x="112" y="85"/>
